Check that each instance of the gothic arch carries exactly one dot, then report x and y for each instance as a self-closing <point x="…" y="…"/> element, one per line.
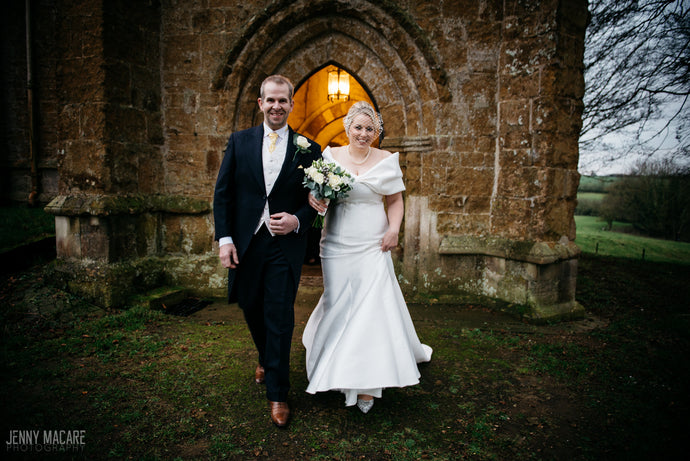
<point x="382" y="49"/>
<point x="317" y="118"/>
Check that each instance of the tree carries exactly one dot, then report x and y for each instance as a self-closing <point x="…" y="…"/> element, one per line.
<point x="637" y="80"/>
<point x="655" y="198"/>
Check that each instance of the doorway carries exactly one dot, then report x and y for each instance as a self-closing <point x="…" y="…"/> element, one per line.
<point x="320" y="116"/>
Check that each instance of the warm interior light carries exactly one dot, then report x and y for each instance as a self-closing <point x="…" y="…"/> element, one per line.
<point x="338" y="85"/>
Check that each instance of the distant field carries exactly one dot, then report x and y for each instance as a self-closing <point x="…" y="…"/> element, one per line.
<point x="596" y="183"/>
<point x="592" y="238"/>
<point x="598" y="196"/>
<point x="591" y="193"/>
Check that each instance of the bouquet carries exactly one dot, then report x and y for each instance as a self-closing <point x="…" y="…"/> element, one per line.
<point x="326" y="181"/>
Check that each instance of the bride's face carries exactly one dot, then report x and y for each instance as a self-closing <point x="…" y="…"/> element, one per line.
<point x="362" y="131"/>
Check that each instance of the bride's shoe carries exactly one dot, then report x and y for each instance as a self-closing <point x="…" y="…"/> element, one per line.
<point x="365" y="405"/>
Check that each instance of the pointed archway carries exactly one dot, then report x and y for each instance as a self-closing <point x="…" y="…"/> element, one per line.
<point x="371" y="41"/>
<point x="391" y="60"/>
<point x="319" y="118"/>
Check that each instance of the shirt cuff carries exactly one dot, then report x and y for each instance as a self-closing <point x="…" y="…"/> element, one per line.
<point x="225" y="241"/>
<point x="296" y="230"/>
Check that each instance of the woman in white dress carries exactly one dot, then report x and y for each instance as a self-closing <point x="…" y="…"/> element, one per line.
<point x="360" y="337"/>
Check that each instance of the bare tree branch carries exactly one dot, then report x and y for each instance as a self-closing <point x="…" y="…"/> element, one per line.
<point x="637" y="79"/>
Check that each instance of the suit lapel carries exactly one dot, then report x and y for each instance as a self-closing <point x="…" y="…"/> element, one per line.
<point x="255" y="148"/>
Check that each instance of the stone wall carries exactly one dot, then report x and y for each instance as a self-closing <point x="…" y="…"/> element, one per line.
<point x="28" y="101"/>
<point x="481" y="98"/>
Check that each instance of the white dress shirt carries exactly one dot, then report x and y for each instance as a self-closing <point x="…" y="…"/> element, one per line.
<point x="272" y="164"/>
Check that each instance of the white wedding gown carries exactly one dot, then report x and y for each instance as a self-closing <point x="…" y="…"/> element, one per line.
<point x="360" y="337"/>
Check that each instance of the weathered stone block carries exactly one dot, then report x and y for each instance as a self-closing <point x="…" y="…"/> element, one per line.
<point x="67" y="236"/>
<point x="526" y="86"/>
<point x="476" y="205"/>
<point x="90" y="123"/>
<point x="469" y="181"/>
<point x="82" y="166"/>
<point x="557" y="214"/>
<point x="83" y="79"/>
<point x="516" y="181"/>
<point x="186" y="234"/>
<point x="514" y="218"/>
<point x="515" y="113"/>
<point x="482" y="56"/>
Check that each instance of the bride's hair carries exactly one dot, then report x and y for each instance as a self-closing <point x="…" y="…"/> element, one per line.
<point x="363" y="108"/>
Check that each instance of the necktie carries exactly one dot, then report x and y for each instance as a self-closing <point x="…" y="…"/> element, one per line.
<point x="272" y="145"/>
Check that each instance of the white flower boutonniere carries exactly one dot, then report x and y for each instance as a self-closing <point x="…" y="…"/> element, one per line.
<point x="302" y="144"/>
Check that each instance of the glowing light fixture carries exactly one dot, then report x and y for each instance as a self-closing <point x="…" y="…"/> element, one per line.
<point x="338" y="85"/>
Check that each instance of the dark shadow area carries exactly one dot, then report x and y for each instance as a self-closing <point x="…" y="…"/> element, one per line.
<point x="186" y="307"/>
<point x="24" y="256"/>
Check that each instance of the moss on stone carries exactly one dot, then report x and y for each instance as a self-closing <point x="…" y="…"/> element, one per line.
<point x="520" y="250"/>
<point x="108" y="205"/>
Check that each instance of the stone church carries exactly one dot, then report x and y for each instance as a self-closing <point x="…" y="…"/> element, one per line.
<point x="115" y="116"/>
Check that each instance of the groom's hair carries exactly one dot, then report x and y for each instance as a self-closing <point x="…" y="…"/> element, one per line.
<point x="279" y="80"/>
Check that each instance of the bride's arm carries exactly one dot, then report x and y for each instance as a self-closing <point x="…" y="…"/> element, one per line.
<point x="396" y="209"/>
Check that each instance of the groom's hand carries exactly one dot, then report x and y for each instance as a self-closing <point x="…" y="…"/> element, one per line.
<point x="228" y="256"/>
<point x="283" y="223"/>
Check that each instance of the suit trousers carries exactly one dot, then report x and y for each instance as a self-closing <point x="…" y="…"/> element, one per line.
<point x="266" y="294"/>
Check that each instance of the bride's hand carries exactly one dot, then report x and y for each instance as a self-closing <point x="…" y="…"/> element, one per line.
<point x="390" y="241"/>
<point x="319" y="205"/>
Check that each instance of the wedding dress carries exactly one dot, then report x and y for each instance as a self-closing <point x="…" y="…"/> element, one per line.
<point x="360" y="337"/>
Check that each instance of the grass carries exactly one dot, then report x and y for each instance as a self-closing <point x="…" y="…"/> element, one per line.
<point x="21" y="224"/>
<point x="592" y="237"/>
<point x="144" y="385"/>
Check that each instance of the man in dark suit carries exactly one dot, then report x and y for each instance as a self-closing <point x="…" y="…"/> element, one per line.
<point x="262" y="217"/>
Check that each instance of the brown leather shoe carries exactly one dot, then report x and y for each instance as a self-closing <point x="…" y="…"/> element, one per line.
<point x="280" y="413"/>
<point x="259" y="375"/>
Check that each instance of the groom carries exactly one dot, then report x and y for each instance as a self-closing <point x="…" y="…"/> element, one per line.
<point x="262" y="217"/>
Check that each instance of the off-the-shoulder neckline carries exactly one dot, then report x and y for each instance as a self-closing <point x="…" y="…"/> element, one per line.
<point x="330" y="154"/>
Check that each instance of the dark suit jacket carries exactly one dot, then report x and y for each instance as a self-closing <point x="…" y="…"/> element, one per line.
<point x="240" y="196"/>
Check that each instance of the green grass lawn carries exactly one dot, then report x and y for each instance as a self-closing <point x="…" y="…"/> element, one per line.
<point x="143" y="385"/>
<point x="21" y="224"/>
<point x="593" y="238"/>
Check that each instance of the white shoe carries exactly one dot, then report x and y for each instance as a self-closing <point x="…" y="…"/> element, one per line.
<point x="365" y="405"/>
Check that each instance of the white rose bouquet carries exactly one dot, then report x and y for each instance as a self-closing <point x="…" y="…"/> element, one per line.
<point x="326" y="181"/>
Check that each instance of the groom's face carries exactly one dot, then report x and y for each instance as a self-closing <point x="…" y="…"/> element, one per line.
<point x="276" y="104"/>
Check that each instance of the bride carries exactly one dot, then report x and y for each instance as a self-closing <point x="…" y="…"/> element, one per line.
<point x="360" y="338"/>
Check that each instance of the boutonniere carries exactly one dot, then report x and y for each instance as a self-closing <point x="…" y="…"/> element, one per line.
<point x="301" y="143"/>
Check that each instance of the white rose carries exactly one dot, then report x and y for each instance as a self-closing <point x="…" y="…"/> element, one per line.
<point x="310" y="172"/>
<point x="318" y="178"/>
<point x="334" y="181"/>
<point x="302" y="142"/>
